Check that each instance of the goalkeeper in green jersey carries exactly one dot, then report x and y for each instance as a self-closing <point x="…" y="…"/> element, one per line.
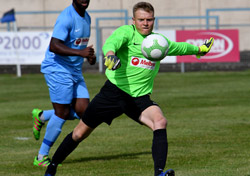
<point x="128" y="88"/>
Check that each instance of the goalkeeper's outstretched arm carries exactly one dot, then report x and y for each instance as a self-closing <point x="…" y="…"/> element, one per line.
<point x="183" y="48"/>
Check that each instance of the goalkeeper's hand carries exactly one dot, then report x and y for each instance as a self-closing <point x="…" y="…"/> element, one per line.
<point x="205" y="48"/>
<point x="112" y="62"/>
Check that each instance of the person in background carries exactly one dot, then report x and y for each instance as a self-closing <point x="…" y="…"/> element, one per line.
<point x="128" y="88"/>
<point x="62" y="69"/>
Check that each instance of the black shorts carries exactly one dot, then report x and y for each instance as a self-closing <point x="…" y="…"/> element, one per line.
<point x="111" y="102"/>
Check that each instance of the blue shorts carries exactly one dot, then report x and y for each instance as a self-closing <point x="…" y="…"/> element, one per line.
<point x="64" y="87"/>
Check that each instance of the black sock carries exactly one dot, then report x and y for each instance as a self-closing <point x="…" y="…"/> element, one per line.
<point x="65" y="148"/>
<point x="159" y="150"/>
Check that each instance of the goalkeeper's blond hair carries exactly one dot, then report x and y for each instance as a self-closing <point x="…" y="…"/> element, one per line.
<point x="143" y="5"/>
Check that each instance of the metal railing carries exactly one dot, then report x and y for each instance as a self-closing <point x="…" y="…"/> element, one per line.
<point x="186" y="18"/>
<point x="208" y="11"/>
<point x="123" y="11"/>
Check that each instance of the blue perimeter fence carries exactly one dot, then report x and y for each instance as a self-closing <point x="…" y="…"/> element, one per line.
<point x="126" y="18"/>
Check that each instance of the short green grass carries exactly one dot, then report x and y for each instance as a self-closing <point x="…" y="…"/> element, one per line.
<point x="208" y="128"/>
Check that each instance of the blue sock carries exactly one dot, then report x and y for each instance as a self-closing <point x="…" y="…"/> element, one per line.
<point x="73" y="115"/>
<point x="53" y="130"/>
<point x="47" y="114"/>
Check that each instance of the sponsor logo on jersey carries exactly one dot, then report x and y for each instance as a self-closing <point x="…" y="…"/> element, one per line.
<point x="142" y="63"/>
<point x="81" y="41"/>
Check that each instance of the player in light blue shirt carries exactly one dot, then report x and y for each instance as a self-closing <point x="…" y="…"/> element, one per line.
<point x="62" y="69"/>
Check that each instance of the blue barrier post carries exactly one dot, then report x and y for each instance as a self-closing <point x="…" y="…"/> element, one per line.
<point x="223" y="10"/>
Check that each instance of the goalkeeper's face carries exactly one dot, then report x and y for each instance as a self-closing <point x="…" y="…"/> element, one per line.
<point x="144" y="21"/>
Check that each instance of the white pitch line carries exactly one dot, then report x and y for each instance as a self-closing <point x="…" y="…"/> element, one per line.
<point x="22" y="138"/>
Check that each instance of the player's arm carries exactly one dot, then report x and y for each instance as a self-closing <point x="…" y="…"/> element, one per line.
<point x="112" y="44"/>
<point x="92" y="60"/>
<point x="58" y="47"/>
<point x="183" y="48"/>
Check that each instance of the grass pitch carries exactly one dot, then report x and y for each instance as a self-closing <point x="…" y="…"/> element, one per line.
<point x="208" y="128"/>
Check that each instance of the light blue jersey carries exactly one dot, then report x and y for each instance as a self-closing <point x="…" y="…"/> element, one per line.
<point x="74" y="30"/>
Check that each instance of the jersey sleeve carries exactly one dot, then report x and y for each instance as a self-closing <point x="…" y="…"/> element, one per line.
<point x="181" y="48"/>
<point x="119" y="37"/>
<point x="62" y="27"/>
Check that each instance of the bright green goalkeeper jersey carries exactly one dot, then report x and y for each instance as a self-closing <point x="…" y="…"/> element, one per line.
<point x="136" y="74"/>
